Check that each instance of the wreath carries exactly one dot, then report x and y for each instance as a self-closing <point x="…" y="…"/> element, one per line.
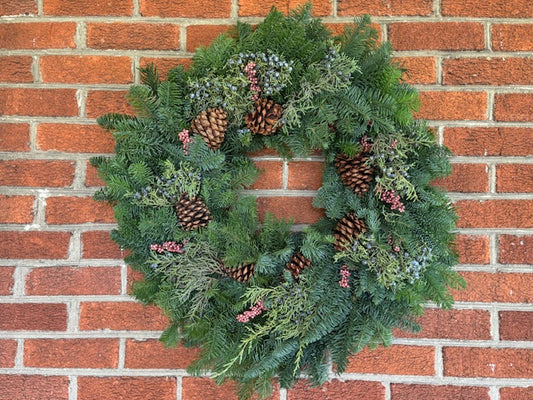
<point x="261" y="299"/>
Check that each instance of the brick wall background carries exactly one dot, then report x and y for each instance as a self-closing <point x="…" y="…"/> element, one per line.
<point x="68" y="330"/>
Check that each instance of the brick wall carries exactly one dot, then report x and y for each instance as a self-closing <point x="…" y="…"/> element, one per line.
<point x="69" y="331"/>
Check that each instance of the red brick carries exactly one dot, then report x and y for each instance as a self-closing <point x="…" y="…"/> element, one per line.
<point x="516" y="325"/>
<point x="515" y="249"/>
<point x="18" y="7"/>
<point x="16" y="209"/>
<point x="492" y="9"/>
<point x="16" y="69"/>
<point x="133" y="36"/>
<point x="86" y="69"/>
<point x="6" y="280"/>
<point x="487" y="362"/>
<point x="488" y="71"/>
<point x="91" y="176"/>
<point x="73" y="281"/>
<point x="8" y="351"/>
<point x="14" y="137"/>
<point x="33" y="316"/>
<point x="466" y="178"/>
<point x="493" y="288"/>
<point x="418" y="70"/>
<point x="514" y="178"/>
<point x="71" y="353"/>
<point x="133" y="276"/>
<point x="205" y="388"/>
<point x="299" y="209"/>
<point x="153" y="355"/>
<point x="37" y="35"/>
<point x="165" y="64"/>
<point x="390" y="7"/>
<point x="100" y="102"/>
<point x="87" y="7"/>
<point x="395" y="360"/>
<point x="74" y="138"/>
<point x="38" y="102"/>
<point x="77" y="210"/>
<point x="131" y="388"/>
<point x="258" y="8"/>
<point x="489" y="141"/>
<point x="98" y="244"/>
<point x="495" y="213"/>
<point x="186" y="8"/>
<point x="473" y="249"/>
<point x="34" y="245"/>
<point x="39" y="173"/>
<point x="452" y="106"/>
<point x="513" y="107"/>
<point x="338" y="28"/>
<point x="437" y="36"/>
<point x="119" y="316"/>
<point x="203" y="35"/>
<point x="305" y="175"/>
<point x="432" y="392"/>
<point x="452" y="324"/>
<point x="516" y="393"/>
<point x="512" y="37"/>
<point x="270" y="177"/>
<point x="338" y="390"/>
<point x="33" y="387"/>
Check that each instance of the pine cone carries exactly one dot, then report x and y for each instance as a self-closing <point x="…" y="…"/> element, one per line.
<point x="354" y="172"/>
<point x="346" y="230"/>
<point x="242" y="273"/>
<point x="211" y="125"/>
<point x="297" y="264"/>
<point x="263" y="120"/>
<point x="192" y="213"/>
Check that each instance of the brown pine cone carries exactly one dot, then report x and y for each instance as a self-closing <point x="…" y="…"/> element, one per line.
<point x="264" y="119"/>
<point x="354" y="172"/>
<point x="346" y="230"/>
<point x="211" y="125"/>
<point x="243" y="273"/>
<point x="297" y="264"/>
<point x="192" y="213"/>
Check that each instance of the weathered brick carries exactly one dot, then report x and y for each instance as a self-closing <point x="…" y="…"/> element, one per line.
<point x="496" y="287"/>
<point x="394" y="360"/>
<point x="33" y="387"/>
<point x="18" y="7"/>
<point x="258" y="8"/>
<point x="100" y="102"/>
<point x="389" y="7"/>
<point x="8" y="351"/>
<point x="34" y="245"/>
<point x="119" y="316"/>
<point x="305" y="175"/>
<point x="77" y="210"/>
<point x="33" y="316"/>
<point x="437" y="36"/>
<point x="14" y="137"/>
<point x="71" y="353"/>
<point x="487" y="362"/>
<point x="203" y="35"/>
<point x="466" y="178"/>
<point x="401" y="391"/>
<point x="86" y="69"/>
<point x="38" y="173"/>
<point x="495" y="213"/>
<point x="473" y="249"/>
<point x="205" y="388"/>
<point x="153" y="355"/>
<point x="298" y="208"/>
<point x="91" y="176"/>
<point x="488" y="71"/>
<point x="338" y="390"/>
<point x="6" y="280"/>
<point x="38" y="102"/>
<point x="16" y="209"/>
<point x="418" y="70"/>
<point x="98" y="244"/>
<point x="516" y="393"/>
<point x="512" y="37"/>
<point x="73" y="281"/>
<point x="133" y="36"/>
<point x="186" y="8"/>
<point x="516" y="325"/>
<point x="452" y="324"/>
<point x="87" y="7"/>
<point x="74" y="138"/>
<point x="437" y="105"/>
<point x="514" y="178"/>
<point x="513" y="107"/>
<point x="270" y="177"/>
<point x="503" y="141"/>
<point x="37" y="35"/>
<point x="165" y="64"/>
<point x="492" y="9"/>
<point x="515" y="249"/>
<point x="131" y="388"/>
<point x="16" y="69"/>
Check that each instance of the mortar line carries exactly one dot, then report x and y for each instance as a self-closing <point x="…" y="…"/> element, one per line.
<point x="80" y="37"/>
<point x="490" y="104"/>
<point x="284" y="176"/>
<point x="19" y="355"/>
<point x="40" y="7"/>
<point x="19" y="284"/>
<point x="73" y="316"/>
<point x="234" y="10"/>
<point x="494" y="393"/>
<point x="74" y="248"/>
<point x="33" y="139"/>
<point x="35" y="70"/>
<point x="494" y="324"/>
<point x="136" y="9"/>
<point x="124" y="280"/>
<point x="488" y="35"/>
<point x="493" y="249"/>
<point x="78" y="183"/>
<point x="81" y="98"/>
<point x="179" y="387"/>
<point x="334" y="8"/>
<point x="282" y="394"/>
<point x="387" y="386"/>
<point x="438" y="69"/>
<point x="73" y="388"/>
<point x="492" y="177"/>
<point x="121" y="353"/>
<point x="183" y="38"/>
<point x="439" y="362"/>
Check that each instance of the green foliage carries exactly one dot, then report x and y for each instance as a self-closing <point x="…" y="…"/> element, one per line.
<point x="338" y="94"/>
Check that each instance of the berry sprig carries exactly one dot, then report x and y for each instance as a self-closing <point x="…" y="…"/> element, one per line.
<point x="251" y="73"/>
<point x="344" y="282"/>
<point x="246" y="316"/>
<point x="392" y="198"/>
<point x="185" y="139"/>
<point x="171" y="247"/>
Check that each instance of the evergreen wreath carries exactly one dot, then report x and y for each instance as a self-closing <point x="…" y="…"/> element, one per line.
<point x="258" y="298"/>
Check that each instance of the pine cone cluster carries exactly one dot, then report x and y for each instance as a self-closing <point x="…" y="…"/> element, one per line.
<point x="346" y="230"/>
<point x="211" y="125"/>
<point x="263" y="120"/>
<point x="243" y="273"/>
<point x="354" y="172"/>
<point x="192" y="213"/>
<point x="297" y="264"/>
